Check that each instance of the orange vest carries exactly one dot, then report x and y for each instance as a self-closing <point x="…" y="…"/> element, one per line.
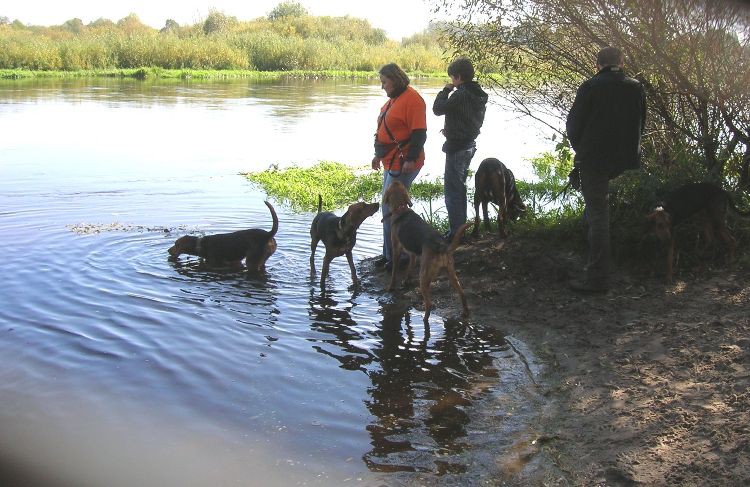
<point x="402" y="114"/>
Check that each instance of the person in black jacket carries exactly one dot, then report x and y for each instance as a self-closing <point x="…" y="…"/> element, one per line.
<point x="604" y="126"/>
<point x="464" y="111"/>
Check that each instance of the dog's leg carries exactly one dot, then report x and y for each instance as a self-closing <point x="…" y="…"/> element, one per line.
<point x="324" y="272"/>
<point x="350" y="259"/>
<point x="502" y="211"/>
<point x="426" y="275"/>
<point x="486" y="215"/>
<point x="313" y="246"/>
<point x="395" y="255"/>
<point x="410" y="268"/>
<point x="475" y="232"/>
<point x="728" y="242"/>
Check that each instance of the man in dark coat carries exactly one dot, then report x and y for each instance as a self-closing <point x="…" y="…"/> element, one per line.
<point x="605" y="125"/>
<point x="464" y="111"/>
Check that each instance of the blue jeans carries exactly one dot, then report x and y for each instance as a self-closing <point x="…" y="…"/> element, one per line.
<point x="406" y="178"/>
<point x="454" y="181"/>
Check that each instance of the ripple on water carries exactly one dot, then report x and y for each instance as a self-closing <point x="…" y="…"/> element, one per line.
<point x="270" y="356"/>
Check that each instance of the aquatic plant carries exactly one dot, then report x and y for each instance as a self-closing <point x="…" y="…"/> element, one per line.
<point x="338" y="184"/>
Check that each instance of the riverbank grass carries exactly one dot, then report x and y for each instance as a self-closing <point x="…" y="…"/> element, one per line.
<point x="200" y="74"/>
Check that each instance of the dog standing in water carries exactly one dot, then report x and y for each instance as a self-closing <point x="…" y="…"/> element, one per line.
<point x="339" y="235"/>
<point x="409" y="232"/>
<point x="228" y="249"/>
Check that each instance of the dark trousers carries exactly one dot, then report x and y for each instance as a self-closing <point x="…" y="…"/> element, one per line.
<point x="595" y="189"/>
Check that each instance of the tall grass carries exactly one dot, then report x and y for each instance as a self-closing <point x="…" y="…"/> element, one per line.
<point x="217" y="43"/>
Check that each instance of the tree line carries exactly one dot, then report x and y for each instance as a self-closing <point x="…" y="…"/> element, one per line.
<point x="287" y="38"/>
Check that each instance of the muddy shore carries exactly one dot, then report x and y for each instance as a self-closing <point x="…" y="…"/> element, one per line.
<point x="648" y="384"/>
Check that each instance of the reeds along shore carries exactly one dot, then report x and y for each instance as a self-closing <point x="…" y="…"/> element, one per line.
<point x="218" y="43"/>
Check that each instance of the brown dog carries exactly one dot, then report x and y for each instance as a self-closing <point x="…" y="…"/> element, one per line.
<point x="410" y="233"/>
<point x="339" y="235"/>
<point x="495" y="183"/>
<point x="705" y="201"/>
<point x="254" y="245"/>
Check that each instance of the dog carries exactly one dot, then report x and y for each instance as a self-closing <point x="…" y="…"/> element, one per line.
<point x="707" y="202"/>
<point x="495" y="183"/>
<point x="228" y="249"/>
<point x="410" y="233"/>
<point x="339" y="235"/>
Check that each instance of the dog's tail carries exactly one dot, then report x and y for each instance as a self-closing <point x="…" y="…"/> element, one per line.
<point x="320" y="203"/>
<point x="736" y="208"/>
<point x="456" y="240"/>
<point x="275" y="227"/>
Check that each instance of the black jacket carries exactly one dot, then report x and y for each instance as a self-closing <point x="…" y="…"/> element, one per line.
<point x="464" y="114"/>
<point x="606" y="121"/>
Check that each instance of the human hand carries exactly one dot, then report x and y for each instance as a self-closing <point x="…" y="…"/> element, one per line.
<point x="449" y="87"/>
<point x="409" y="166"/>
<point x="376" y="163"/>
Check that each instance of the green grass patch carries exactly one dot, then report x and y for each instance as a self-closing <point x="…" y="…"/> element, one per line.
<point x="338" y="184"/>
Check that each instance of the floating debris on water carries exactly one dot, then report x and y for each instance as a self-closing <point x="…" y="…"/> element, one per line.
<point x="94" y="228"/>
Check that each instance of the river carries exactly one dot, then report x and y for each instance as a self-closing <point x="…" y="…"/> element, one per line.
<point x="120" y="367"/>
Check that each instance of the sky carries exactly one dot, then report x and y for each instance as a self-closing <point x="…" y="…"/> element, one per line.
<point x="399" y="18"/>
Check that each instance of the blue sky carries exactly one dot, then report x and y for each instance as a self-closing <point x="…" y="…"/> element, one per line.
<point x="399" y="18"/>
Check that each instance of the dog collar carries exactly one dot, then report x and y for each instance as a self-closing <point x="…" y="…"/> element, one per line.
<point x="398" y="210"/>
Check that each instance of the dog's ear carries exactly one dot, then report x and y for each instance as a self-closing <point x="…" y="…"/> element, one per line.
<point x="344" y="219"/>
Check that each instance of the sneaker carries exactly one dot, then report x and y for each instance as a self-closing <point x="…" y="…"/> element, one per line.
<point x="380" y="261"/>
<point x="586" y="287"/>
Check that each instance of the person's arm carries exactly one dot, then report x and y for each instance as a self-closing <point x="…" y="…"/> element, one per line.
<point x="442" y="100"/>
<point x="577" y="116"/>
<point x="416" y="143"/>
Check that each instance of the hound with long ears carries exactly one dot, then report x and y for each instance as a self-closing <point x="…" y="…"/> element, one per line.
<point x="229" y="249"/>
<point x="410" y="233"/>
<point x="706" y="201"/>
<point x="495" y="183"/>
<point x="339" y="235"/>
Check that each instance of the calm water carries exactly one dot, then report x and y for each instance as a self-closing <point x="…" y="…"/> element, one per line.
<point x="122" y="368"/>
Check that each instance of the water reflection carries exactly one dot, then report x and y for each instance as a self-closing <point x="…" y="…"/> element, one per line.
<point x="423" y="381"/>
<point x="251" y="294"/>
<point x="288" y="97"/>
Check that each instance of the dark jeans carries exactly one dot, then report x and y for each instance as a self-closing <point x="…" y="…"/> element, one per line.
<point x="454" y="181"/>
<point x="595" y="189"/>
<point x="406" y="178"/>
